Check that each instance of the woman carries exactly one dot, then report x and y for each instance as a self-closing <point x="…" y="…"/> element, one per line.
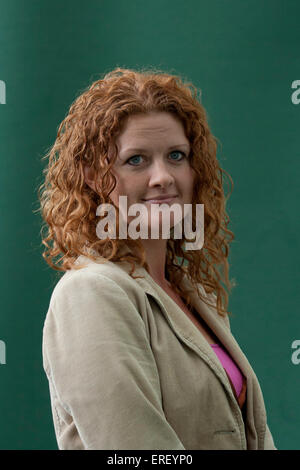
<point x="137" y="345"/>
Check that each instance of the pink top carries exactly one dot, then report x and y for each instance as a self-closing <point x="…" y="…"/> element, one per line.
<point x="231" y="368"/>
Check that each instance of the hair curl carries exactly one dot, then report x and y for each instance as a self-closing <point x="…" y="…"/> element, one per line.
<point x="68" y="205"/>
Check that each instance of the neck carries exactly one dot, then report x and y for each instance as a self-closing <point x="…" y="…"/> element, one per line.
<point x="156" y="252"/>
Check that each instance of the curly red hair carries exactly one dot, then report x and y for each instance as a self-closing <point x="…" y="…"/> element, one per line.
<point x="68" y="205"/>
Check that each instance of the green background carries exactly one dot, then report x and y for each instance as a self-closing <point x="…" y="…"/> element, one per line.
<point x="243" y="55"/>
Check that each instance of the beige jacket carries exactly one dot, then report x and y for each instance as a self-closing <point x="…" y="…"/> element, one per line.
<point x="127" y="369"/>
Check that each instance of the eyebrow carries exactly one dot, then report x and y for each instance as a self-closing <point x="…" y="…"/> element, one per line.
<point x="145" y="150"/>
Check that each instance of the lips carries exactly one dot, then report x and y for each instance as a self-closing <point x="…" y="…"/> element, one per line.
<point x="161" y="200"/>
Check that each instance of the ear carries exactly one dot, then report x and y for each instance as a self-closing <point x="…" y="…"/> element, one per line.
<point x="89" y="175"/>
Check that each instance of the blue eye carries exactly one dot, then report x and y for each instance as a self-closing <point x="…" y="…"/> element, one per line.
<point x="134" y="156"/>
<point x="177" y="151"/>
<point x="139" y="156"/>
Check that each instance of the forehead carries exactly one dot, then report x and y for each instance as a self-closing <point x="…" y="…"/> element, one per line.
<point x="155" y="127"/>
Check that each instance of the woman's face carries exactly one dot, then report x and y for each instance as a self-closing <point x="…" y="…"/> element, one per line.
<point x="153" y="161"/>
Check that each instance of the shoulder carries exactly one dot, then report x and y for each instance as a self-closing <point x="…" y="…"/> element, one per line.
<point x="94" y="298"/>
<point x="100" y="277"/>
<point x="90" y="305"/>
<point x="97" y="293"/>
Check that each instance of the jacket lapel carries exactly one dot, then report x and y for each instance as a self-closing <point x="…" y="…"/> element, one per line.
<point x="217" y="325"/>
<point x="185" y="329"/>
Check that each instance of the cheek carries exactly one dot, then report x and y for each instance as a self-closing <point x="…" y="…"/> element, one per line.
<point x="125" y="186"/>
<point x="188" y="179"/>
<point x="132" y="186"/>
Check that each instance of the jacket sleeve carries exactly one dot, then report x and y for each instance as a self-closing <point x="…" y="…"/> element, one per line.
<point x="103" y="379"/>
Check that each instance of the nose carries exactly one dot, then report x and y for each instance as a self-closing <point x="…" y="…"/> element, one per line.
<point x="160" y="175"/>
